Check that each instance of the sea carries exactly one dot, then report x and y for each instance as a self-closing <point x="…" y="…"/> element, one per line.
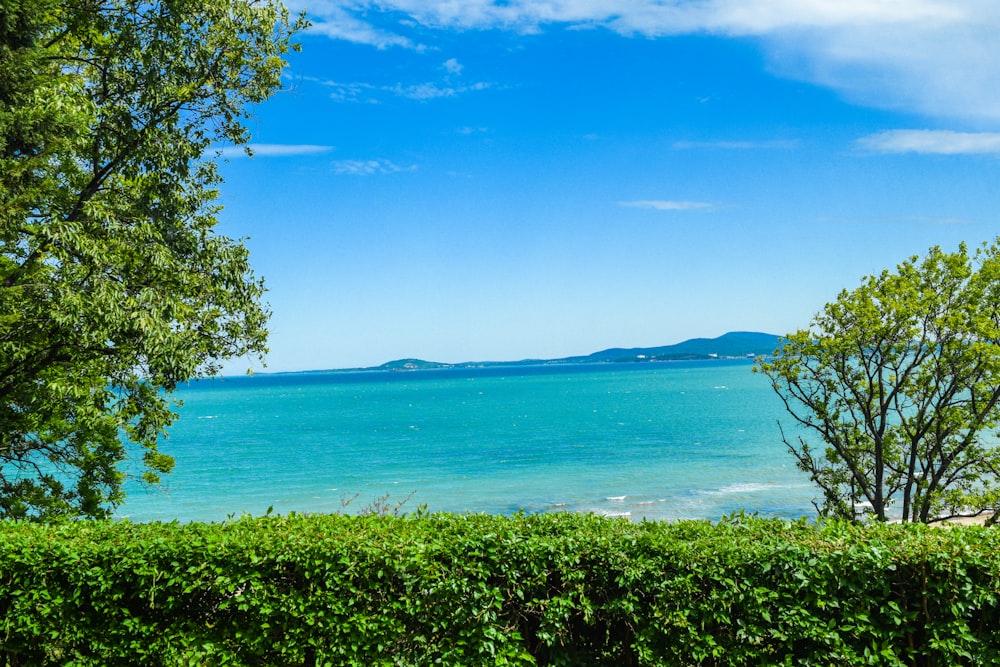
<point x="648" y="441"/>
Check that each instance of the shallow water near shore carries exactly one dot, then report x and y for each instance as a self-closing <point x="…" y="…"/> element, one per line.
<point x="671" y="440"/>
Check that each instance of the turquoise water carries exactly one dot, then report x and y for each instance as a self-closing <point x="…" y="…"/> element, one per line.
<point x="661" y="441"/>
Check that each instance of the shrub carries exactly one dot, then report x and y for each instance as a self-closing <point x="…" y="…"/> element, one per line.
<point x="559" y="589"/>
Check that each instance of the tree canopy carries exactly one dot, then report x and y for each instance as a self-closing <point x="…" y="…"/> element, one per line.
<point x="895" y="391"/>
<point x="114" y="286"/>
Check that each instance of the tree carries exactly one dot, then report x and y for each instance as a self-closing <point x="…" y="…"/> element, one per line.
<point x="114" y="286"/>
<point x="899" y="380"/>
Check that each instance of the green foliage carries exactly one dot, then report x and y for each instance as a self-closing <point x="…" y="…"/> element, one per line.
<point x="114" y="287"/>
<point x="899" y="380"/>
<point x="476" y="590"/>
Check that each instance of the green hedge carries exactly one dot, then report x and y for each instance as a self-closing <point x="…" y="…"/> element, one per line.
<point x="558" y="589"/>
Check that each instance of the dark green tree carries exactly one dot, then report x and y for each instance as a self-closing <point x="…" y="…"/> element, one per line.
<point x="895" y="391"/>
<point x="114" y="286"/>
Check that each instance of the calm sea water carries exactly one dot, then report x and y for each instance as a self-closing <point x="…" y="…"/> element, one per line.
<point x="661" y="441"/>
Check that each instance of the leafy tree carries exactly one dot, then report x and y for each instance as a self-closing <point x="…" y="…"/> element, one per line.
<point x="114" y="286"/>
<point x="899" y="380"/>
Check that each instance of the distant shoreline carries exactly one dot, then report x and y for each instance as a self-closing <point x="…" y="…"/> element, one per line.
<point x="493" y="368"/>
<point x="729" y="346"/>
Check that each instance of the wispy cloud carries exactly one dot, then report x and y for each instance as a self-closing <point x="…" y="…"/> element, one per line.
<point x="335" y="20"/>
<point x="935" y="57"/>
<point x="430" y="91"/>
<point x="369" y="167"/>
<point x="274" y="150"/>
<point x="936" y="142"/>
<point x="737" y="145"/>
<point x="647" y="17"/>
<point x="350" y="92"/>
<point x="668" y="205"/>
<point x="373" y="94"/>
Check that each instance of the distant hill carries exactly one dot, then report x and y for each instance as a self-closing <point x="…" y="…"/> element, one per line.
<point x="411" y="365"/>
<point x="734" y="344"/>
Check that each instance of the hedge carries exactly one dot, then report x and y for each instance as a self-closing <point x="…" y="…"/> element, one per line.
<point x="556" y="589"/>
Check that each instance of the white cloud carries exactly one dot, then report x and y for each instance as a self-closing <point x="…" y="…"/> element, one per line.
<point x="430" y="91"/>
<point x="760" y="17"/>
<point x="352" y="92"/>
<point x="424" y="91"/>
<point x="334" y="19"/>
<point x="938" y="142"/>
<point x="452" y="66"/>
<point x="368" y="167"/>
<point x="935" y="57"/>
<point x="274" y="150"/>
<point x="667" y="205"/>
<point x="370" y="93"/>
<point x="651" y="17"/>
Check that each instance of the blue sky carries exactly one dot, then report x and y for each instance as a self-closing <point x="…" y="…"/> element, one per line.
<point x="464" y="180"/>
